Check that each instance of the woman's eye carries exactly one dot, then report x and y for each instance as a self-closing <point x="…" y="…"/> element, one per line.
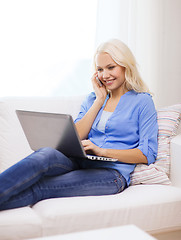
<point x="99" y="69"/>
<point x="111" y="67"/>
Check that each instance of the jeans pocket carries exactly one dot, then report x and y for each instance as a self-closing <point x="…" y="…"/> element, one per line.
<point x="119" y="180"/>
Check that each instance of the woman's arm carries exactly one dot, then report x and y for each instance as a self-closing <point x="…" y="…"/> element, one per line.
<point x="84" y="125"/>
<point x="133" y="156"/>
<point x="127" y="156"/>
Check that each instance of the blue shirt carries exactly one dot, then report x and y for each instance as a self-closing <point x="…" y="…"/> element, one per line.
<point x="133" y="124"/>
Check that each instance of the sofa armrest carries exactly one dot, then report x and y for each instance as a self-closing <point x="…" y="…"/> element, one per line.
<point x="175" y="173"/>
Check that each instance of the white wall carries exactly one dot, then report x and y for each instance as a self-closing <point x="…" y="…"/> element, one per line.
<point x="151" y="28"/>
<point x="112" y="20"/>
<point x="46" y="47"/>
<point x="158" y="48"/>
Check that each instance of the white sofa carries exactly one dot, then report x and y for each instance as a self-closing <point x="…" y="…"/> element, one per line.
<point x="155" y="208"/>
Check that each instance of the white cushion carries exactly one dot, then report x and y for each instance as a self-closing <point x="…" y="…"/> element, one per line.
<point x="19" y="223"/>
<point x="133" y="206"/>
<point x="13" y="143"/>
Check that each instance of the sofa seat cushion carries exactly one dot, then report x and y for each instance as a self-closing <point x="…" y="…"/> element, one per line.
<point x="150" y="207"/>
<point x="19" y="223"/>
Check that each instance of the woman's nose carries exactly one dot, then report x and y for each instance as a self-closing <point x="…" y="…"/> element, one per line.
<point x="106" y="74"/>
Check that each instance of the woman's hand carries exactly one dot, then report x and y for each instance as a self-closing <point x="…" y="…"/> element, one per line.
<point x="91" y="148"/>
<point x="99" y="89"/>
<point x="84" y="125"/>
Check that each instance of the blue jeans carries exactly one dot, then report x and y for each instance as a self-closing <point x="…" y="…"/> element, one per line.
<point x="47" y="173"/>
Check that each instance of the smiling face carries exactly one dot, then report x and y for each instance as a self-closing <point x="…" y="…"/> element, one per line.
<point x="110" y="73"/>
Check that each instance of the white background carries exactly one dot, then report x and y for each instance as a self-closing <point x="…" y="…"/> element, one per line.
<point x="46" y="46"/>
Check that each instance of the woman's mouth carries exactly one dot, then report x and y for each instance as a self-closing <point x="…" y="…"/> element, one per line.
<point x="109" y="82"/>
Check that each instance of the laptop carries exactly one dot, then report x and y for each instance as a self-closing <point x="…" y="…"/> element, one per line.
<point x="54" y="130"/>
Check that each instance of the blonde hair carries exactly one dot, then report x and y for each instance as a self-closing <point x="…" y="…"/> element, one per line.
<point x="123" y="56"/>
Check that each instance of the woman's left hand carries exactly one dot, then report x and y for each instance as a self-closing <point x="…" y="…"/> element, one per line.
<point x="91" y="148"/>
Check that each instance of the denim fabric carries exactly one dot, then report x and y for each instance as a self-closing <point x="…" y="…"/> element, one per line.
<point x="48" y="173"/>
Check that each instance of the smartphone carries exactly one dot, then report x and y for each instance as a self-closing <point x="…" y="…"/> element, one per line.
<point x="99" y="81"/>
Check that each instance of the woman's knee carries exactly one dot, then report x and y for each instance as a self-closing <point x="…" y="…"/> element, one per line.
<point x="43" y="156"/>
<point x="46" y="150"/>
<point x="49" y="152"/>
<point x="53" y="156"/>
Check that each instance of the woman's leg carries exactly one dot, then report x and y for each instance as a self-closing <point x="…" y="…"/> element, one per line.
<point x="85" y="182"/>
<point x="25" y="173"/>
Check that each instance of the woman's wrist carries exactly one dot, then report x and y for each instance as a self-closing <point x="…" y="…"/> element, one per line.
<point x="102" y="152"/>
<point x="99" y="101"/>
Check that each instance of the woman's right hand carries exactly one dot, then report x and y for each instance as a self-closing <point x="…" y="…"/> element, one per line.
<point x="85" y="124"/>
<point x="99" y="89"/>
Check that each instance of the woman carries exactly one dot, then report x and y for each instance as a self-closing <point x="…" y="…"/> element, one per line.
<point x="117" y="120"/>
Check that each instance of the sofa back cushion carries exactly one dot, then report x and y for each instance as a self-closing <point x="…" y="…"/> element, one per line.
<point x="13" y="143"/>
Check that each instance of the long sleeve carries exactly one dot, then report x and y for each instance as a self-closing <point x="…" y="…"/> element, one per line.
<point x="148" y="130"/>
